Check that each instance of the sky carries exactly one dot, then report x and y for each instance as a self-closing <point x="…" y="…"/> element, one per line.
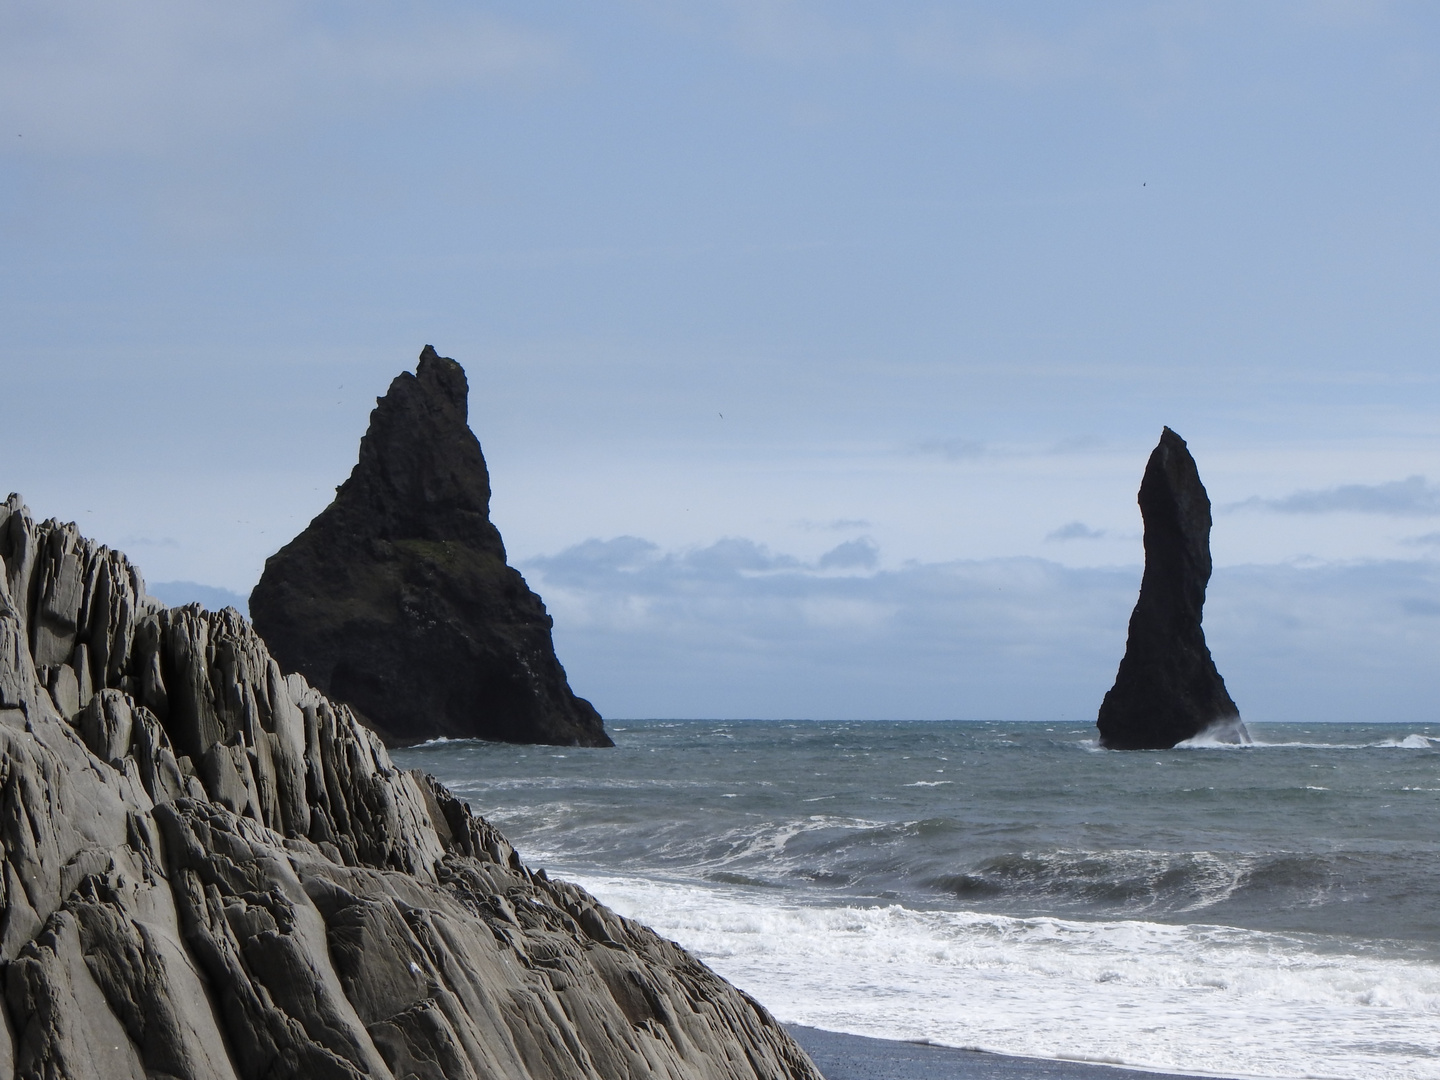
<point x="816" y="349"/>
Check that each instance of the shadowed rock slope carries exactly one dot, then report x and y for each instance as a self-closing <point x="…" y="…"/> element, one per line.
<point x="1167" y="689"/>
<point x="209" y="870"/>
<point x="397" y="598"/>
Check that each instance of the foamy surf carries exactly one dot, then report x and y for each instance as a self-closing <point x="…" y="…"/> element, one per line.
<point x="1230" y="731"/>
<point x="1188" y="998"/>
<point x="1408" y="742"/>
<point x="838" y="871"/>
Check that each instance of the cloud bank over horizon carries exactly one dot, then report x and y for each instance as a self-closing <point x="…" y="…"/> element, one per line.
<point x="733" y="629"/>
<point x="1412" y="497"/>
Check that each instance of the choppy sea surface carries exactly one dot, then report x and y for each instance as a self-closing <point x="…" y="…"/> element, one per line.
<point x="1270" y="910"/>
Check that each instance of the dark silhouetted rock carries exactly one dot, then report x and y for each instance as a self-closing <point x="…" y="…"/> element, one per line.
<point x="209" y="871"/>
<point x="1167" y="689"/>
<point x="397" y="599"/>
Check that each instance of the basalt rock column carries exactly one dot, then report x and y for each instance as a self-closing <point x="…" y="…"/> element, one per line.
<point x="397" y="599"/>
<point x="210" y="871"/>
<point x="1168" y="689"/>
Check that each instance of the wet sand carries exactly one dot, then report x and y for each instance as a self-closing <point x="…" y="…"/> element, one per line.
<point x="853" y="1057"/>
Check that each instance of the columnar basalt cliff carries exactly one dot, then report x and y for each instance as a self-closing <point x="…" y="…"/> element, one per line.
<point x="210" y="870"/>
<point x="1168" y="689"/>
<point x="397" y="599"/>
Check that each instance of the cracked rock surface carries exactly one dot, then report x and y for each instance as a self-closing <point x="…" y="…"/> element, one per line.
<point x="210" y="870"/>
<point x="397" y="598"/>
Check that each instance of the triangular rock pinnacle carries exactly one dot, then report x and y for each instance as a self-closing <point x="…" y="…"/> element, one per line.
<point x="397" y="598"/>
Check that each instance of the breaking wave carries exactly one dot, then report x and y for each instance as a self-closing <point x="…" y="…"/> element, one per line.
<point x="1414" y="741"/>
<point x="1011" y="887"/>
<point x="1189" y="998"/>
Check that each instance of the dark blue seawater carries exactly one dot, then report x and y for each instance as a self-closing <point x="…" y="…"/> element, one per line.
<point x="1271" y="910"/>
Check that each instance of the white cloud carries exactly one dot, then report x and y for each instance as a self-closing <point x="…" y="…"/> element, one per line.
<point x="853" y="553"/>
<point x="1412" y="497"/>
<point x="86" y="76"/>
<point x="736" y="630"/>
<point x="1075" y="530"/>
<point x="1341" y="641"/>
<point x="733" y="629"/>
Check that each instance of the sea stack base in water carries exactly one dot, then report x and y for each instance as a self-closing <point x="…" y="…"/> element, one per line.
<point x="1168" y="689"/>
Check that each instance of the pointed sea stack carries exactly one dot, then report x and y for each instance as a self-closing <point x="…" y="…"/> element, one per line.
<point x="397" y="599"/>
<point x="1167" y="689"/>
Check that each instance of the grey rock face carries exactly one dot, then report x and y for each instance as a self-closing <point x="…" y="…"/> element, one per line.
<point x="397" y="598"/>
<point x="1168" y="689"/>
<point x="210" y="870"/>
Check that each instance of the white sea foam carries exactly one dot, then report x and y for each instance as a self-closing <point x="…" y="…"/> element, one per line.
<point x="1205" y="742"/>
<point x="1230" y="732"/>
<point x="1197" y="998"/>
<point x="1409" y="742"/>
<point x="1412" y="742"/>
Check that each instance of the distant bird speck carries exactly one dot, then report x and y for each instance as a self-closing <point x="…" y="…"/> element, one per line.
<point x="722" y="416"/>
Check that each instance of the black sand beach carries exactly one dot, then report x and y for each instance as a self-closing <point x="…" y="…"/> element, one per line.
<point x="854" y="1057"/>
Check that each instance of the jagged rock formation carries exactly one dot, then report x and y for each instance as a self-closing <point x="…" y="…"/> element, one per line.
<point x="1167" y="689"/>
<point x="397" y="599"/>
<point x="209" y="870"/>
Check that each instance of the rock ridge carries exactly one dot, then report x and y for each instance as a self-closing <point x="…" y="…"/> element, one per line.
<point x="1167" y="688"/>
<point x="397" y="598"/>
<point x="211" y="870"/>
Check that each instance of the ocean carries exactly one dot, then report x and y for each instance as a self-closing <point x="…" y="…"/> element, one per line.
<point x="1270" y="910"/>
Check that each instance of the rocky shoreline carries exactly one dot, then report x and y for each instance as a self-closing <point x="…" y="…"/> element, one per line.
<point x="212" y="870"/>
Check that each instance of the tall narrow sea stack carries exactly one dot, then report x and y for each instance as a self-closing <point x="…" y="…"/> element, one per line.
<point x="1168" y="689"/>
<point x="397" y="599"/>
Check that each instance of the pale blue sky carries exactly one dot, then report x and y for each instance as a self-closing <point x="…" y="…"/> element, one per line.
<point x="944" y="268"/>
